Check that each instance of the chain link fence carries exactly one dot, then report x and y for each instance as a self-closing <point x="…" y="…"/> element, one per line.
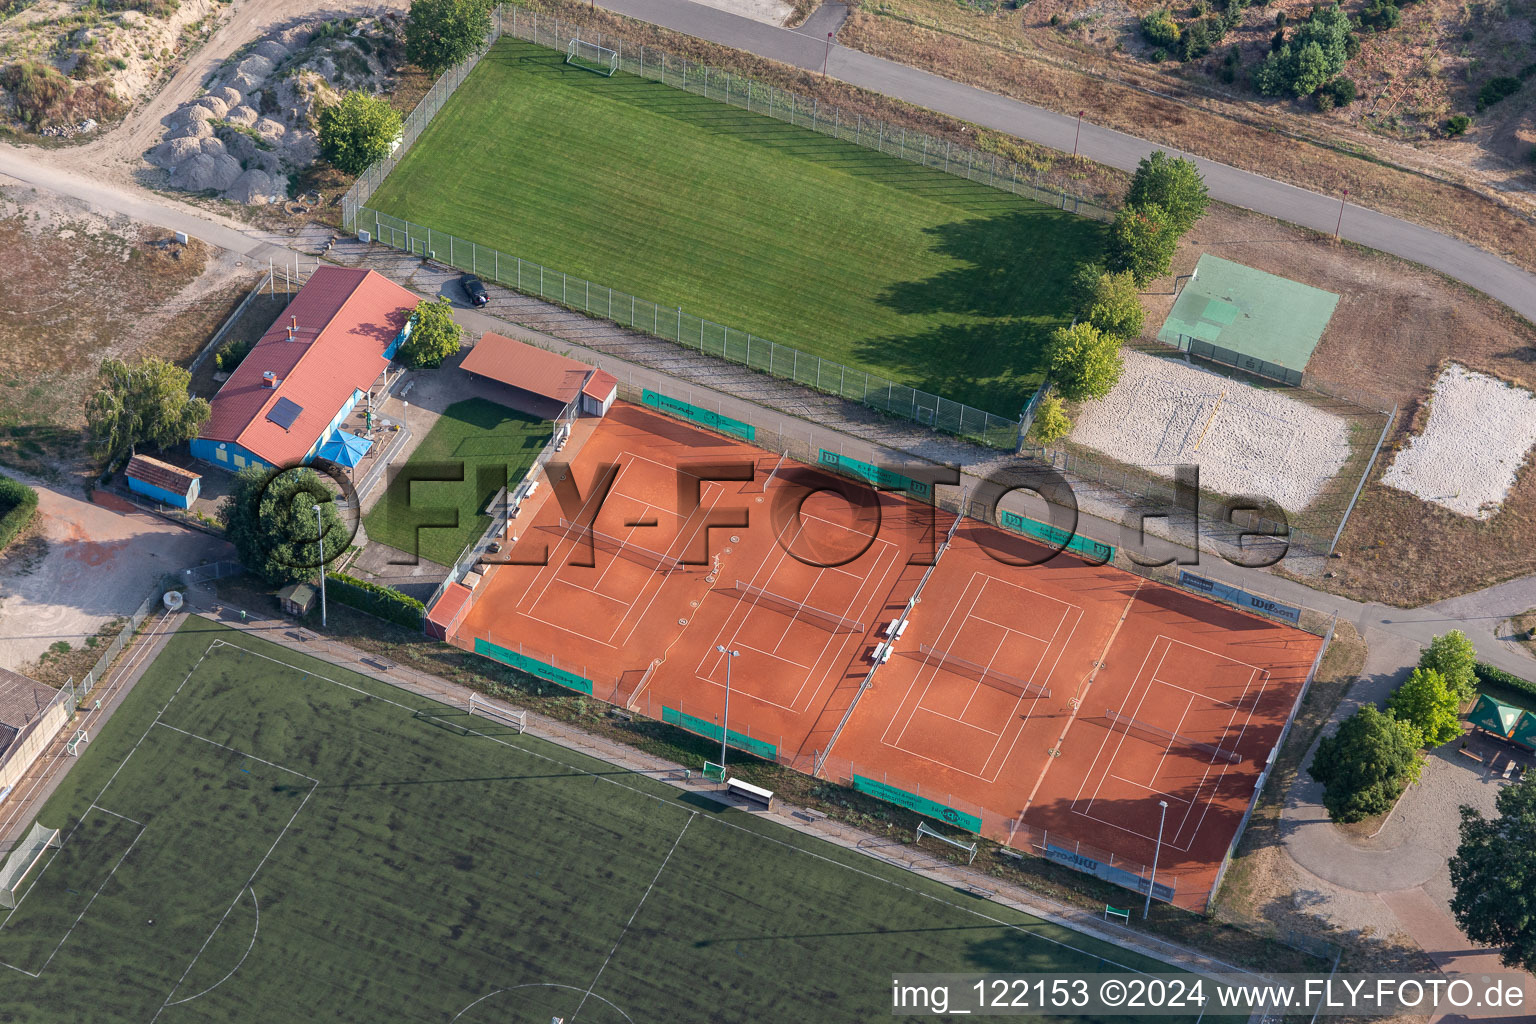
<point x="673" y="323"/>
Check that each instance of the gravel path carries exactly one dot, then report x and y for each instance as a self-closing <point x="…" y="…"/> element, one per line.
<point x="1475" y="442"/>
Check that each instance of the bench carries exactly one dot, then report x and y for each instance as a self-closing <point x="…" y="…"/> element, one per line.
<point x="978" y="891"/>
<point x="753" y="794"/>
<point x="1467" y="753"/>
<point x="620" y="714"/>
<point x="1123" y="915"/>
<point x="1004" y="851"/>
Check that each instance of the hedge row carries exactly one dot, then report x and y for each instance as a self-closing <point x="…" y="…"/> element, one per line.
<point x="386" y="603"/>
<point x="1487" y="674"/>
<point x="18" y="503"/>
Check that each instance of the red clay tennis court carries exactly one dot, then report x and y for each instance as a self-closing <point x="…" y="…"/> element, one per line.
<point x="1050" y="706"/>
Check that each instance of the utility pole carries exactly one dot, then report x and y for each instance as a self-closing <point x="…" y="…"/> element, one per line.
<point x="725" y="718"/>
<point x="1340" y="224"/>
<point x="1151" y="882"/>
<point x="1079" y="134"/>
<point x="320" y="540"/>
<point x="825" y="57"/>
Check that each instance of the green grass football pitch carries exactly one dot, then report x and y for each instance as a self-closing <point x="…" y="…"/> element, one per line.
<point x="812" y="242"/>
<point x="433" y="504"/>
<point x="311" y="844"/>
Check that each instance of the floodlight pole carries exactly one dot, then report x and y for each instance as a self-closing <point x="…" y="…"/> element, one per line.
<point x="825" y="57"/>
<point x="1079" y="134"/>
<point x="320" y="540"/>
<point x="1340" y="224"/>
<point x="1156" y="850"/>
<point x="725" y="718"/>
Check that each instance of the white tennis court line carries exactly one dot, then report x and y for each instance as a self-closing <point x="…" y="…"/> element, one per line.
<point x="1016" y="723"/>
<point x="1201" y="797"/>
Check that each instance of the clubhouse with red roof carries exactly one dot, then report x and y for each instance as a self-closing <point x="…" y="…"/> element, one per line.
<point x="298" y="384"/>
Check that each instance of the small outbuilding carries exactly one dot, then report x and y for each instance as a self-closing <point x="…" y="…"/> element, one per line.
<point x="163" y="482"/>
<point x="550" y="385"/>
<point x="297" y="599"/>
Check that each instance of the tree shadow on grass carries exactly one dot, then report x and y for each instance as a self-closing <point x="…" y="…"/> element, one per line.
<point x="1009" y="286"/>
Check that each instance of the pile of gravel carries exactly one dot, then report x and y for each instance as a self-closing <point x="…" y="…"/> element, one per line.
<point x="254" y="124"/>
<point x="1479" y="432"/>
<point x="1251" y="441"/>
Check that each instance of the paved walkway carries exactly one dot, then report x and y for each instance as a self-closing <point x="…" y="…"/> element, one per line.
<point x="1487" y="273"/>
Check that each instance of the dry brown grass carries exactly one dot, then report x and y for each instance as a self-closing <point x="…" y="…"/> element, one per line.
<point x="76" y="293"/>
<point x="1048" y="71"/>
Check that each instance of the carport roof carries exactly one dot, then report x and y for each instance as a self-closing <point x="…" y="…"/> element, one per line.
<point x="528" y="367"/>
<point x="22" y="700"/>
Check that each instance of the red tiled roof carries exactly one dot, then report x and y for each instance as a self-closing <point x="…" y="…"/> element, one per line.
<point x="528" y="367"/>
<point x="601" y="385"/>
<point x="347" y="317"/>
<point x="161" y="474"/>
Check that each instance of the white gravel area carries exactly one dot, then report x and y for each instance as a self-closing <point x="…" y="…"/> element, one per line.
<point x="771" y="12"/>
<point x="1475" y="442"/>
<point x="1246" y="440"/>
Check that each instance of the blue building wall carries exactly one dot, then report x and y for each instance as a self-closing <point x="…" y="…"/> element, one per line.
<point x="164" y="496"/>
<point x="226" y="455"/>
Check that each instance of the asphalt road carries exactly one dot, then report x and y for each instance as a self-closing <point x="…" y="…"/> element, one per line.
<point x="1486" y="272"/>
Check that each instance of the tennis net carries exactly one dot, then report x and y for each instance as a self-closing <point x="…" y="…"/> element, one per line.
<point x="653" y="560"/>
<point x="799" y="609"/>
<point x="981" y="674"/>
<point x="1135" y="726"/>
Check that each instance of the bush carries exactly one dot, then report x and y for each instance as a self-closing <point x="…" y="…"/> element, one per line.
<point x="1160" y="29"/>
<point x="1458" y="124"/>
<point x="1324" y="100"/>
<point x="1381" y="15"/>
<point x="383" y="602"/>
<point x="357" y="131"/>
<point x="1316" y="51"/>
<point x="434" y="335"/>
<point x="1487" y="675"/>
<point x="1142" y="241"/>
<point x="1051" y="421"/>
<point x="1342" y="90"/>
<point x="1365" y="766"/>
<point x="1084" y="362"/>
<point x="233" y="354"/>
<point x="18" y="503"/>
<point x="1201" y="37"/>
<point x="1496" y="89"/>
<point x="1425" y="702"/>
<point x="1114" y="306"/>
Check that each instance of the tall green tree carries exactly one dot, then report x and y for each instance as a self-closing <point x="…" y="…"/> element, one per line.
<point x="1173" y="184"/>
<point x="1453" y="656"/>
<point x="434" y="336"/>
<point x="1494" y="875"/>
<point x="1316" y="51"/>
<point x="1365" y="766"/>
<point x="269" y="516"/>
<point x="1114" y="306"/>
<point x="442" y="33"/>
<point x="1426" y="702"/>
<point x="358" y="130"/>
<point x="1142" y="243"/>
<point x="142" y="404"/>
<point x="1084" y="362"/>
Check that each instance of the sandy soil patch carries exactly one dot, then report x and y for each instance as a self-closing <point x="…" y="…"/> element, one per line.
<point x="1245" y="440"/>
<point x="1475" y="442"/>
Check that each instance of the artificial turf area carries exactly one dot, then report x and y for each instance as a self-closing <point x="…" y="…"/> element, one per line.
<point x="930" y="279"/>
<point x="259" y="836"/>
<point x="433" y="504"/>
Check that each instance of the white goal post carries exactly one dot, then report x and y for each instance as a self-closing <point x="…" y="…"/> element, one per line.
<point x="496" y="713"/>
<point x="924" y="830"/>
<point x="22" y="859"/>
<point x="592" y="57"/>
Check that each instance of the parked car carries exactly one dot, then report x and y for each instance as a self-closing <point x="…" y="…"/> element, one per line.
<point x="474" y="290"/>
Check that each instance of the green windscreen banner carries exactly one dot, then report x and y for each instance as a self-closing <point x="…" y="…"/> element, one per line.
<point x="1056" y="537"/>
<point x="708" y="419"/>
<point x="921" y="804"/>
<point x="534" y="667"/>
<point x="877" y="475"/>
<point x="704" y="727"/>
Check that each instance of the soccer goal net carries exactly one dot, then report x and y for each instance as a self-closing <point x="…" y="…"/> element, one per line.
<point x="21" y="860"/>
<point x="518" y="720"/>
<point x="592" y="57"/>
